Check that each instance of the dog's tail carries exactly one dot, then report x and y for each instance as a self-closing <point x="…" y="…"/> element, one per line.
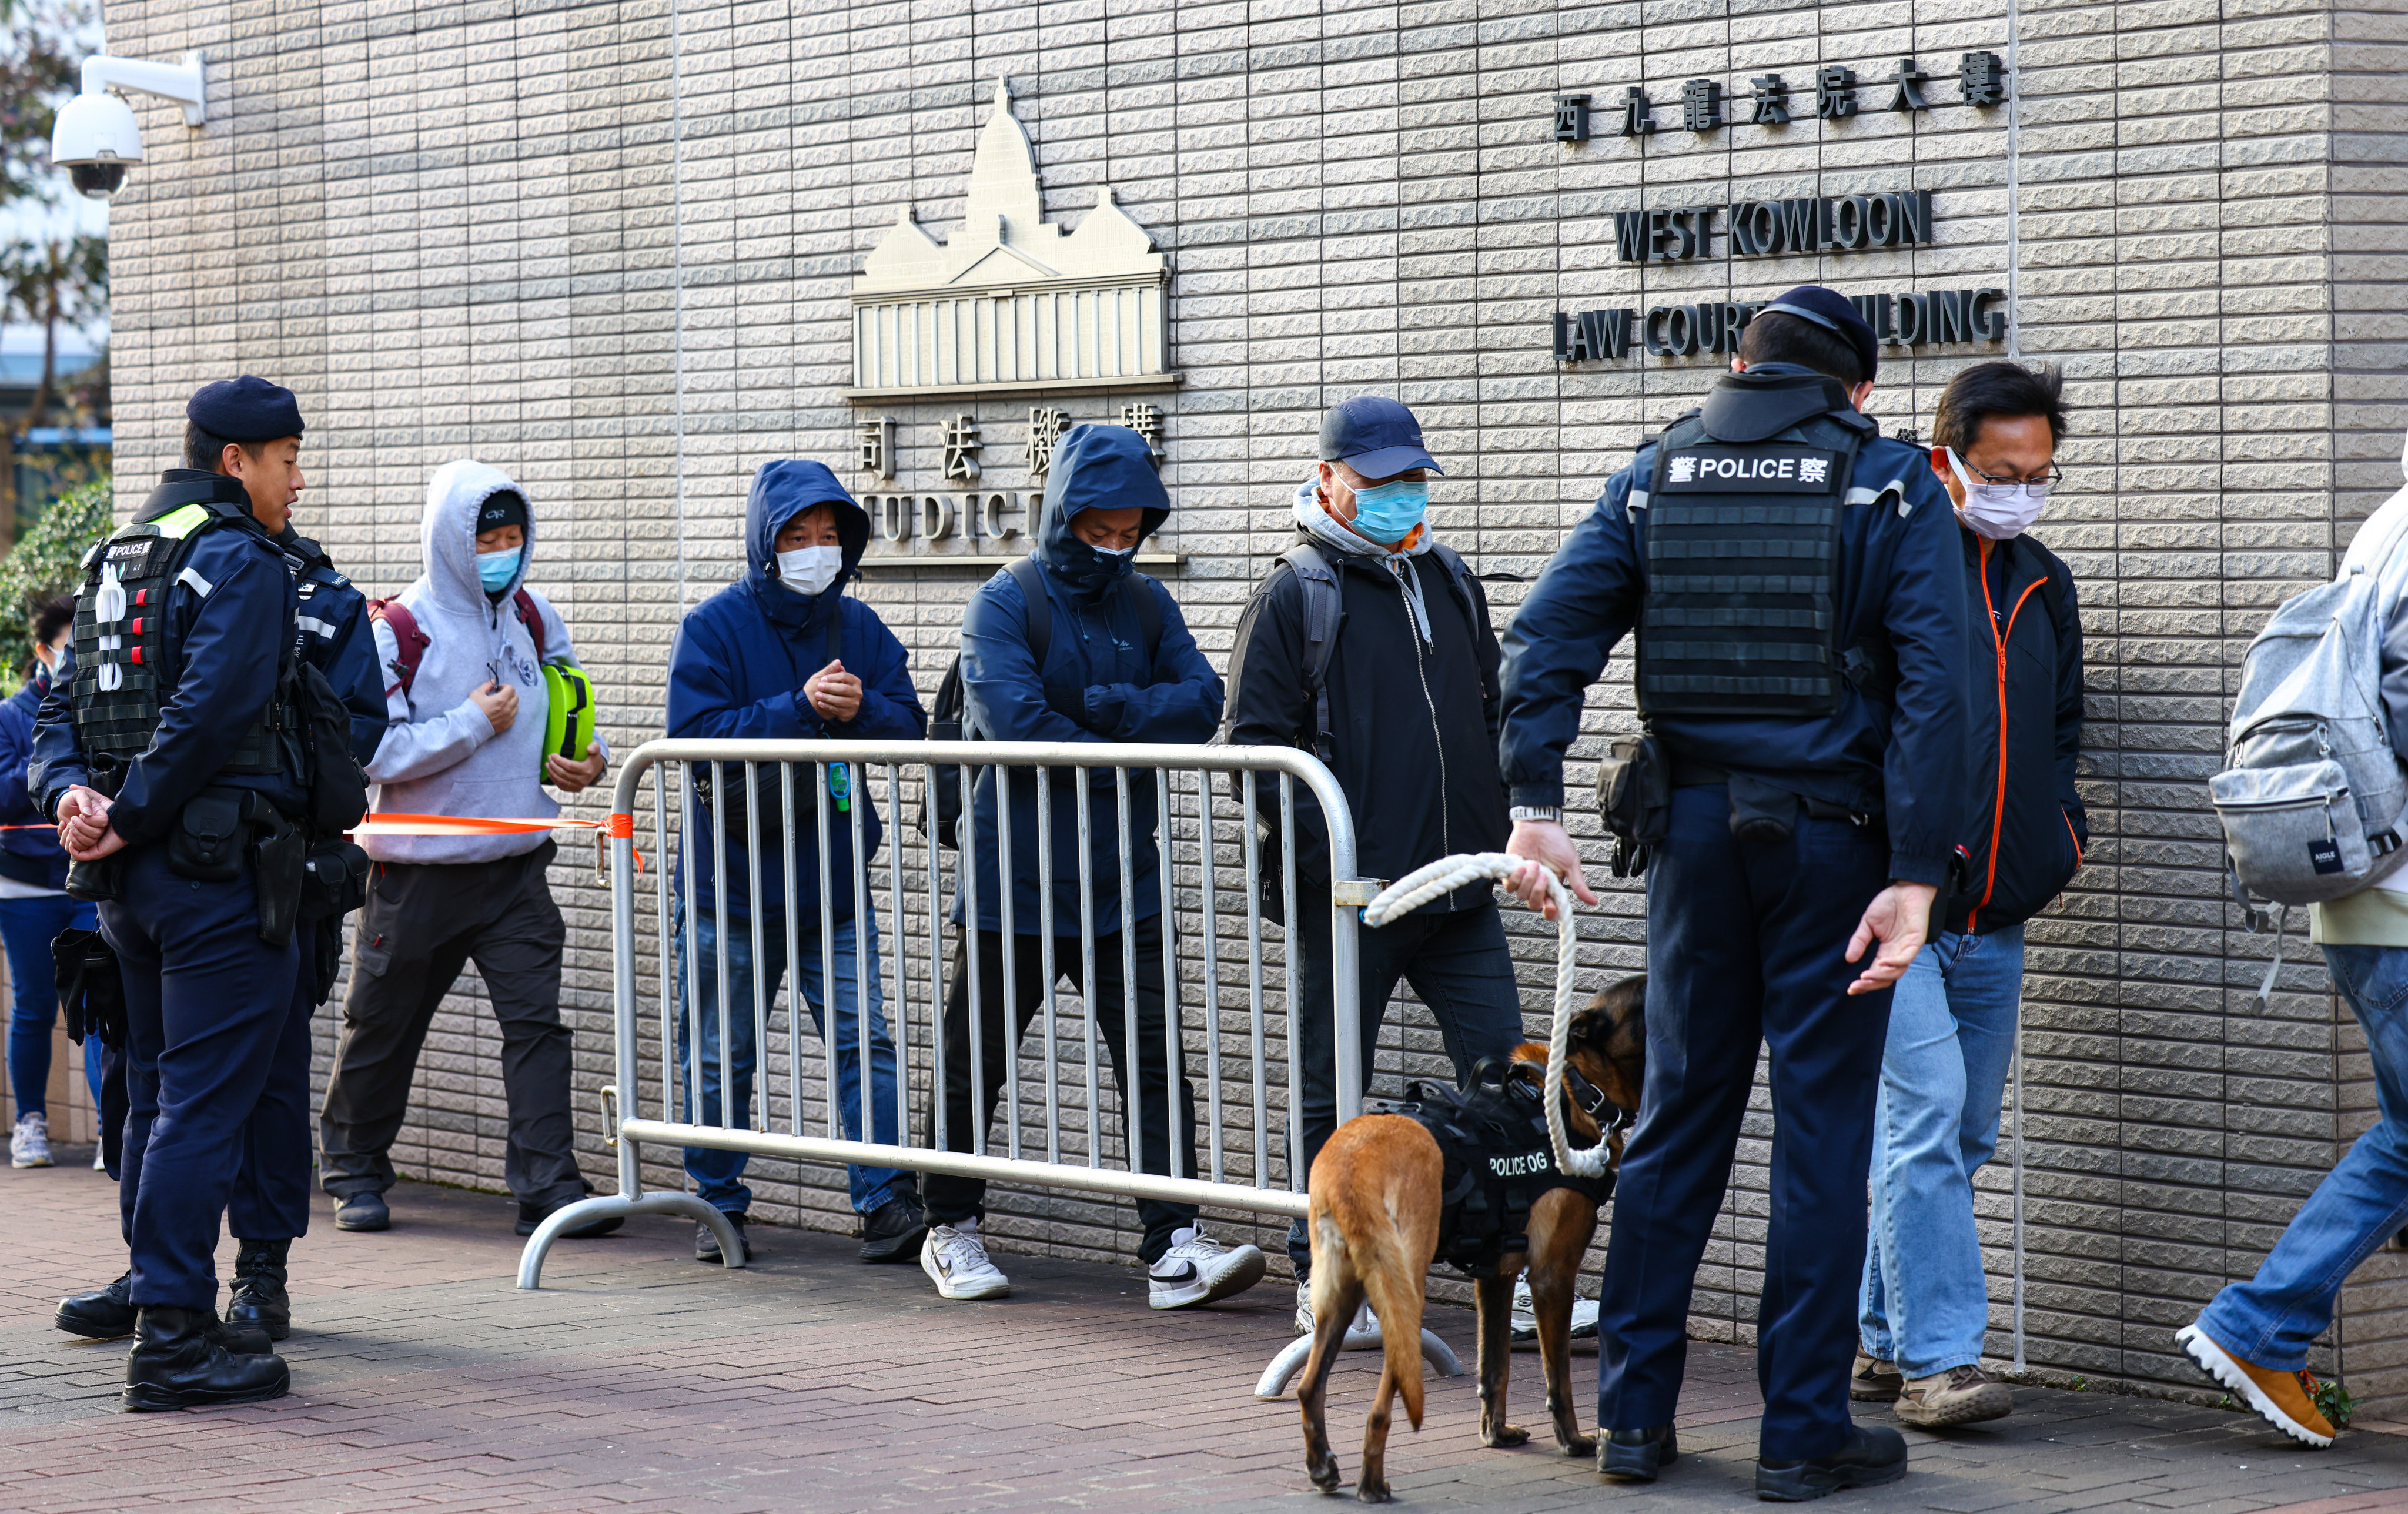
<point x="1394" y="1280"/>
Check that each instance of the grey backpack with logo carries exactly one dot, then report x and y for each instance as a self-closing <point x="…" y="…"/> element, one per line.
<point x="2311" y="792"/>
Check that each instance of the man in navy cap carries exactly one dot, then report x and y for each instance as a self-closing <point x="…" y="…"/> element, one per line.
<point x="1801" y="612"/>
<point x="1401" y="699"/>
<point x="171" y="762"/>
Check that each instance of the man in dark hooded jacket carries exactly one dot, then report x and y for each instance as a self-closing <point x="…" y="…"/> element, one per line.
<point x="783" y="654"/>
<point x="1119" y="665"/>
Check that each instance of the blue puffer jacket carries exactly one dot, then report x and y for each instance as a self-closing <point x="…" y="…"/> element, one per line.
<point x="26" y="855"/>
<point x="1098" y="685"/>
<point x="738" y="671"/>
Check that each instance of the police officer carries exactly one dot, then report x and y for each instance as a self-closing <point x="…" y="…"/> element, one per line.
<point x="172" y="762"/>
<point x="269" y="1206"/>
<point x="1801" y="639"/>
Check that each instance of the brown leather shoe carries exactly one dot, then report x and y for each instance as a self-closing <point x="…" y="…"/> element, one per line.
<point x="2285" y="1400"/>
<point x="1874" y="1380"/>
<point x="1960" y="1395"/>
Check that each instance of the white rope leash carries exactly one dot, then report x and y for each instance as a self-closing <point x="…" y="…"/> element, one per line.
<point x="1444" y="876"/>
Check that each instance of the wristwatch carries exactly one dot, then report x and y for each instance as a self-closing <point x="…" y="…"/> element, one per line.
<point x="1551" y="812"/>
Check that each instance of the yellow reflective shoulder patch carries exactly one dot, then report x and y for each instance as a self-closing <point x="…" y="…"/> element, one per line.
<point x="179" y="523"/>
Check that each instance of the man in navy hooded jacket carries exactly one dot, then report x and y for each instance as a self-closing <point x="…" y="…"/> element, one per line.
<point x="784" y="655"/>
<point x="1119" y="665"/>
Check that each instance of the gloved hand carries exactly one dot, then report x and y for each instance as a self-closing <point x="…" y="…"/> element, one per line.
<point x="1106" y="703"/>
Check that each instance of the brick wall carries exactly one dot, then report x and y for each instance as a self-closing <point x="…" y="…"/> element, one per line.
<point x="481" y="229"/>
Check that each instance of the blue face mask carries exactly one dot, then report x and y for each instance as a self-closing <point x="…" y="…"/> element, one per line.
<point x="494" y="570"/>
<point x="1387" y="512"/>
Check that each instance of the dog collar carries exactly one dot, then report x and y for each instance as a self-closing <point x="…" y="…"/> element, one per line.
<point x="1592" y="1102"/>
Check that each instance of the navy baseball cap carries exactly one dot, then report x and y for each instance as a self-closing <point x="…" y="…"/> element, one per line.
<point x="1836" y="314"/>
<point x="247" y="409"/>
<point x="1376" y="437"/>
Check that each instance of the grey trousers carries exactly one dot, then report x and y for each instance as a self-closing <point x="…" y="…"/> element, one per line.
<point x="422" y="923"/>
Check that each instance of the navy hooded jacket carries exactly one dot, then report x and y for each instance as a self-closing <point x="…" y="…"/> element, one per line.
<point x="1901" y="582"/>
<point x="1098" y="684"/>
<point x="738" y="671"/>
<point x="33" y="855"/>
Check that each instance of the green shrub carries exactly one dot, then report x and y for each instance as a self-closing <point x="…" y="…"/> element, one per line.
<point x="44" y="563"/>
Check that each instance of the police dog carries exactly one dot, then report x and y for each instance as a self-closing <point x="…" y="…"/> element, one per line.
<point x="1373" y="1221"/>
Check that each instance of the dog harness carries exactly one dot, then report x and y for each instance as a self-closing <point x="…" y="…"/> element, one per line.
<point x="1492" y="1133"/>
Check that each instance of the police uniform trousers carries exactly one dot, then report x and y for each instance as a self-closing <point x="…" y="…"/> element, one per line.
<point x="205" y="1002"/>
<point x="422" y="923"/>
<point x="1746" y="943"/>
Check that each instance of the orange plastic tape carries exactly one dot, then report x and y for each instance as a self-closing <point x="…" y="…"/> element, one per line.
<point x="620" y="827"/>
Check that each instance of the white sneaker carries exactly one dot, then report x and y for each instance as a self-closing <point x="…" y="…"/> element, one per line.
<point x="1199" y="1269"/>
<point x="955" y="1260"/>
<point x="29" y="1144"/>
<point x="99" y="1158"/>
<point x="1361" y="1335"/>
<point x="1526" y="1314"/>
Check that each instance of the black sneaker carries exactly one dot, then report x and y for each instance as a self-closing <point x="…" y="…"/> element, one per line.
<point x="1873" y="1455"/>
<point x="361" y="1211"/>
<point x="1634" y="1455"/>
<point x="532" y="1214"/>
<point x="893" y="1231"/>
<point x="705" y="1245"/>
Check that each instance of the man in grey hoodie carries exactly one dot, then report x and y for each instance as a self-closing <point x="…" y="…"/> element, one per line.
<point x="466" y="646"/>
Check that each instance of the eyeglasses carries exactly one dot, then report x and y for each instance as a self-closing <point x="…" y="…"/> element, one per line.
<point x="2036" y="488"/>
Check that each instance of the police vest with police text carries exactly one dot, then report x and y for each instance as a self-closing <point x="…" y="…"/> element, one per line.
<point x="120" y="638"/>
<point x="1741" y="614"/>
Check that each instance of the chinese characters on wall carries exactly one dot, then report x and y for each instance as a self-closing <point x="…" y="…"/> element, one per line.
<point x="1836" y="95"/>
<point x="979" y="514"/>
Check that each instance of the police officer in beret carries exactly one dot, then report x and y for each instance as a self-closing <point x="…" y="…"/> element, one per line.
<point x="175" y="761"/>
<point x="1791" y="577"/>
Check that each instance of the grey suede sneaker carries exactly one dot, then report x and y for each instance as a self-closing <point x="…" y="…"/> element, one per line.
<point x="1960" y="1395"/>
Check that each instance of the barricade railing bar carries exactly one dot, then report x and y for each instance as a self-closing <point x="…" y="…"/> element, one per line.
<point x="1099" y="1101"/>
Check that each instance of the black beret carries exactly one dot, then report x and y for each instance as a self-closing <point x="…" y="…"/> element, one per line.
<point x="1834" y="313"/>
<point x="247" y="409"/>
<point x="503" y="506"/>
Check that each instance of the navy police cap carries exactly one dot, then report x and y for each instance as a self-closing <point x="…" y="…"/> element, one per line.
<point x="1376" y="437"/>
<point x="249" y="409"/>
<point x="1836" y="314"/>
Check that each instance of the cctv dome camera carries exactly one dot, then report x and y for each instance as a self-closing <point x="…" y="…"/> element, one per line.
<point x="96" y="139"/>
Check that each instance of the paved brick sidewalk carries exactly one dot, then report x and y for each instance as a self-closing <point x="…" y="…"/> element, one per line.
<point x="638" y="1380"/>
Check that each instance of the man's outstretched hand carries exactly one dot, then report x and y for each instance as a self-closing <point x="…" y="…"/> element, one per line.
<point x="1545" y="843"/>
<point x="1899" y="918"/>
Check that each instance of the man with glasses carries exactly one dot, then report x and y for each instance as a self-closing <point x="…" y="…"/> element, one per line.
<point x="1952" y="1020"/>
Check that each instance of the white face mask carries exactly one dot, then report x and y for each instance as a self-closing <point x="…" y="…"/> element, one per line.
<point x="810" y="569"/>
<point x="1997" y="511"/>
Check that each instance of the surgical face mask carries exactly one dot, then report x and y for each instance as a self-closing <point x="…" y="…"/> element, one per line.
<point x="810" y="569"/>
<point x="1118" y="552"/>
<point x="494" y="570"/>
<point x="1997" y="511"/>
<point x="1387" y="512"/>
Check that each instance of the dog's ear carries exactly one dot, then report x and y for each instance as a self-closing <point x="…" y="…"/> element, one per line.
<point x="1618" y="1010"/>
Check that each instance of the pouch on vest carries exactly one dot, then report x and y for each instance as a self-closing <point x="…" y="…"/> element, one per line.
<point x="334" y="880"/>
<point x="1634" y="800"/>
<point x="205" y="843"/>
<point x="339" y="790"/>
<point x="1761" y="813"/>
<point x="279" y="858"/>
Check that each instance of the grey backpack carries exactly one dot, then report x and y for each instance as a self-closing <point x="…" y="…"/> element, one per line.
<point x="2310" y="796"/>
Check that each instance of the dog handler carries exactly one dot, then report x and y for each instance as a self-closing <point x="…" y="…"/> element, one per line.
<point x="1811" y="712"/>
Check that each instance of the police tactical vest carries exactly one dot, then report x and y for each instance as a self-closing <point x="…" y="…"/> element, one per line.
<point x="1741" y="614"/>
<point x="121" y="637"/>
<point x="1499" y="1159"/>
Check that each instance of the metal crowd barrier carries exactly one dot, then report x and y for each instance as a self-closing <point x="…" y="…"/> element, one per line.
<point x="1055" y="1128"/>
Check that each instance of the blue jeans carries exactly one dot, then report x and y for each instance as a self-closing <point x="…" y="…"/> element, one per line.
<point x="719" y="1176"/>
<point x="1952" y="1041"/>
<point x="27" y="927"/>
<point x="2270" y="1319"/>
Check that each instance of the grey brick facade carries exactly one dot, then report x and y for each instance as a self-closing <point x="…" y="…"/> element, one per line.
<point x="607" y="246"/>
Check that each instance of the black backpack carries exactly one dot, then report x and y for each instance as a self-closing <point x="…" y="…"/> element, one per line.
<point x="1325" y="617"/>
<point x="950" y="721"/>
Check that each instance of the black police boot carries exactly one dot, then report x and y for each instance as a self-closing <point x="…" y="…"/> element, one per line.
<point x="258" y="1300"/>
<point x="893" y="1231"/>
<point x="175" y="1365"/>
<point x="242" y="1340"/>
<point x="103" y="1314"/>
<point x="1634" y="1455"/>
<point x="705" y="1245"/>
<point x="1874" y="1454"/>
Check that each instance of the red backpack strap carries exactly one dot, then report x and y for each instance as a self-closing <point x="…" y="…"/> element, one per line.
<point x="533" y="617"/>
<point x="409" y="642"/>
